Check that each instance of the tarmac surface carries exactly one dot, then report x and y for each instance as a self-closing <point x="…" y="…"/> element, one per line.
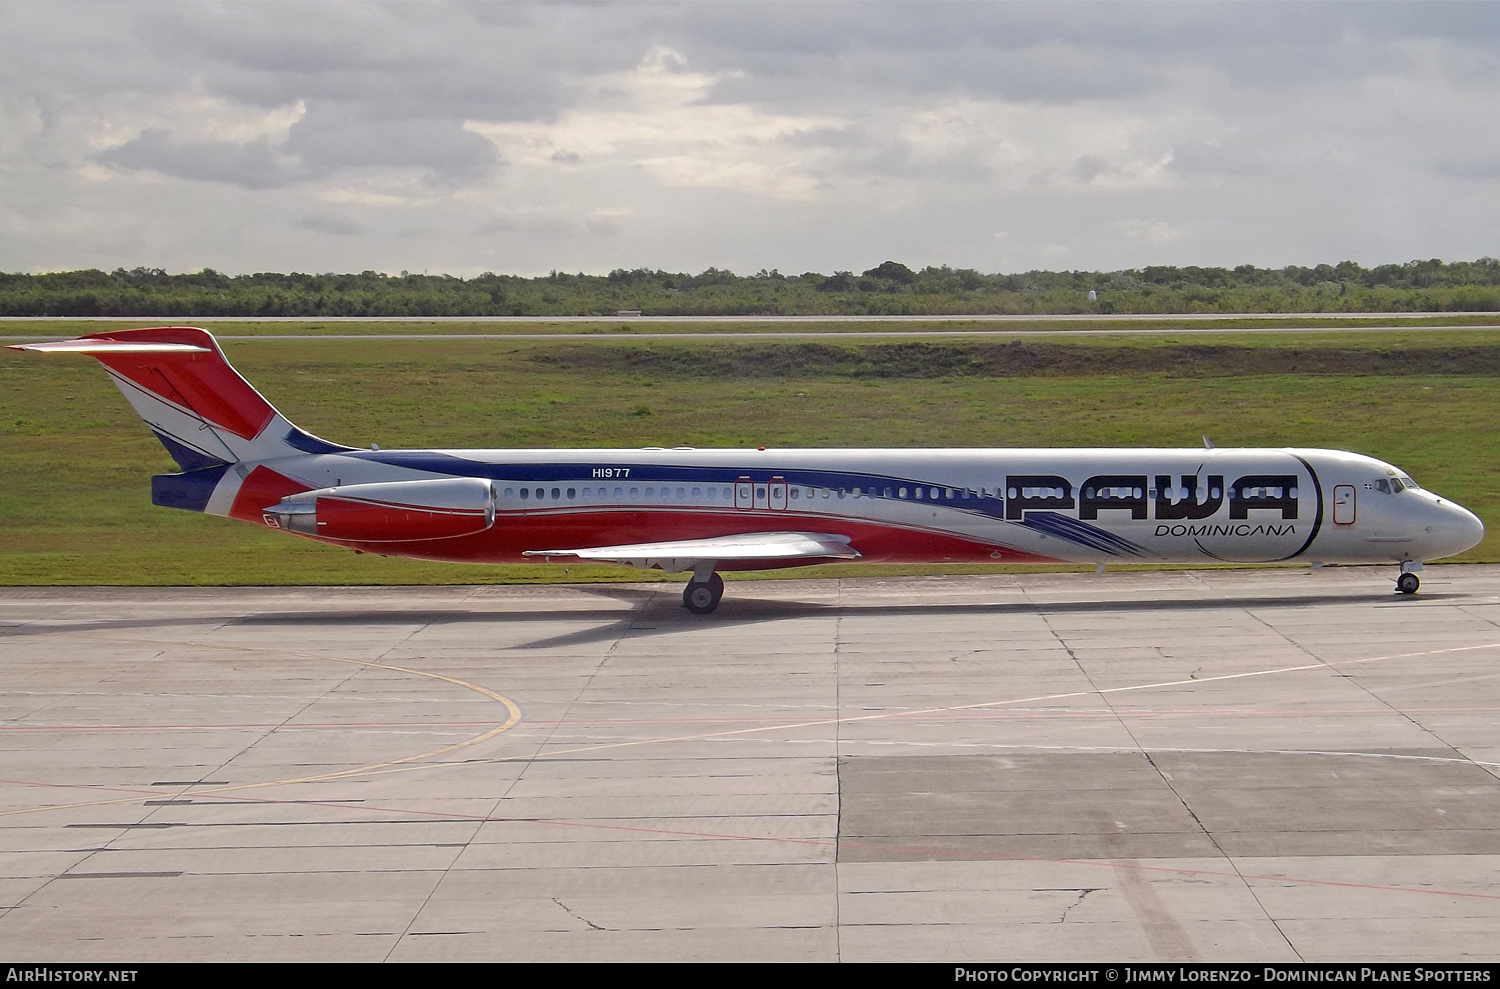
<point x="1272" y="765"/>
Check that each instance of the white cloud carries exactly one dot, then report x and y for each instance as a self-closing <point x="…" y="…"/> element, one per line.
<point x="190" y="114"/>
<point x="654" y="117"/>
<point x="1148" y="231"/>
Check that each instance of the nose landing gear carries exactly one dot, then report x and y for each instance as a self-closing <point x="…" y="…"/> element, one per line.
<point x="1408" y="581"/>
<point x="702" y="596"/>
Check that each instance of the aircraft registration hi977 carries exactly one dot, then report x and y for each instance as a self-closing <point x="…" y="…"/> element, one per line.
<point x="704" y="511"/>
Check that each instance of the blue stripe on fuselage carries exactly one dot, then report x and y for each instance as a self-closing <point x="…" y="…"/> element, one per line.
<point x="871" y="485"/>
<point x="1069" y="528"/>
<point x="308" y="443"/>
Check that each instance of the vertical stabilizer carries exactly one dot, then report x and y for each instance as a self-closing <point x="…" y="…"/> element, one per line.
<point x="178" y="382"/>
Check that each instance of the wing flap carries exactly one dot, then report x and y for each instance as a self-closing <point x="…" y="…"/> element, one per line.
<point x="740" y="546"/>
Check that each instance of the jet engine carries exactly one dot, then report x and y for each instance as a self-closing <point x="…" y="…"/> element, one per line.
<point x="392" y="511"/>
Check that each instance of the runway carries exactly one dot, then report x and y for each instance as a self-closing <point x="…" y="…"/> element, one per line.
<point x="625" y="317"/>
<point x="1271" y="765"/>
<point x="801" y="336"/>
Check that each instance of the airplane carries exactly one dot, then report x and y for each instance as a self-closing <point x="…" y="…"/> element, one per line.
<point x="686" y="510"/>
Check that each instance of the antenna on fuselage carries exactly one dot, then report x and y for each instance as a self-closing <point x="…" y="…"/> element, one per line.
<point x="1208" y="444"/>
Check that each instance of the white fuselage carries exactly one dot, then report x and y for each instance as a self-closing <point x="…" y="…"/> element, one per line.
<point x="1085" y="505"/>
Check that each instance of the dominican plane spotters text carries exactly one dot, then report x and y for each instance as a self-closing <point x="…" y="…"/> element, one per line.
<point x="701" y="511"/>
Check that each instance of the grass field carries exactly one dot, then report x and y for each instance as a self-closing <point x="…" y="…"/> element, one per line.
<point x="1103" y="325"/>
<point x="75" y="462"/>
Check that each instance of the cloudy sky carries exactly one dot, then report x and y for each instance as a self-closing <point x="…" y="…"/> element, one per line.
<point x="518" y="138"/>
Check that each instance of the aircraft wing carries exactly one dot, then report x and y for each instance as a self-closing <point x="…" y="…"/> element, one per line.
<point x="681" y="554"/>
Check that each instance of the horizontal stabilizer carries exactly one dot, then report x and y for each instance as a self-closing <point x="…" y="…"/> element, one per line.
<point x="741" y="546"/>
<point x="89" y="345"/>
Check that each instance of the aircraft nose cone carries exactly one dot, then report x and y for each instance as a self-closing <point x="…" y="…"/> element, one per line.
<point x="1458" y="529"/>
<point x="1471" y="528"/>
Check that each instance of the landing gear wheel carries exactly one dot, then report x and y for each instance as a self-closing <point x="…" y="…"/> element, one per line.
<point x="1408" y="583"/>
<point x="702" y="596"/>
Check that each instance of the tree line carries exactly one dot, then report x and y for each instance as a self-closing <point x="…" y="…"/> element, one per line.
<point x="890" y="288"/>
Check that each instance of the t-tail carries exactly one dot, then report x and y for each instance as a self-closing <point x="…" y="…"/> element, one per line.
<point x="206" y="415"/>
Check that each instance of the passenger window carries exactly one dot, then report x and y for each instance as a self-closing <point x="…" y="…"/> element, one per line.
<point x="556" y="493"/>
<point x="572" y="493"/>
<point x="525" y="493"/>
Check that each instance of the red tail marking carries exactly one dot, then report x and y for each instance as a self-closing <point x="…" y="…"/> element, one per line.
<point x="205" y="383"/>
<point x="262" y="489"/>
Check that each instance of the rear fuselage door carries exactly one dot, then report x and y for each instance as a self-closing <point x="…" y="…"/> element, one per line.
<point x="1343" y="504"/>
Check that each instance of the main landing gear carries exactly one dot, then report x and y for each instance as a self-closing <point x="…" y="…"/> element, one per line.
<point x="702" y="596"/>
<point x="1408" y="581"/>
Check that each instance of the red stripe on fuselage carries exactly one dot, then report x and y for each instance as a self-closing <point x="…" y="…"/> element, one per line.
<point x="513" y="534"/>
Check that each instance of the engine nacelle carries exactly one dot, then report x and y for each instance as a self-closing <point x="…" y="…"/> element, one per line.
<point x="392" y="511"/>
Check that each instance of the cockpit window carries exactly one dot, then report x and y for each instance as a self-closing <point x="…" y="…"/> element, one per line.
<point x="1383" y="485"/>
<point x="1396" y="484"/>
<point x="1409" y="482"/>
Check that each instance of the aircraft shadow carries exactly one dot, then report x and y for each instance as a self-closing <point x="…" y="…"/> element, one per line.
<point x="665" y="615"/>
<point x="658" y="613"/>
